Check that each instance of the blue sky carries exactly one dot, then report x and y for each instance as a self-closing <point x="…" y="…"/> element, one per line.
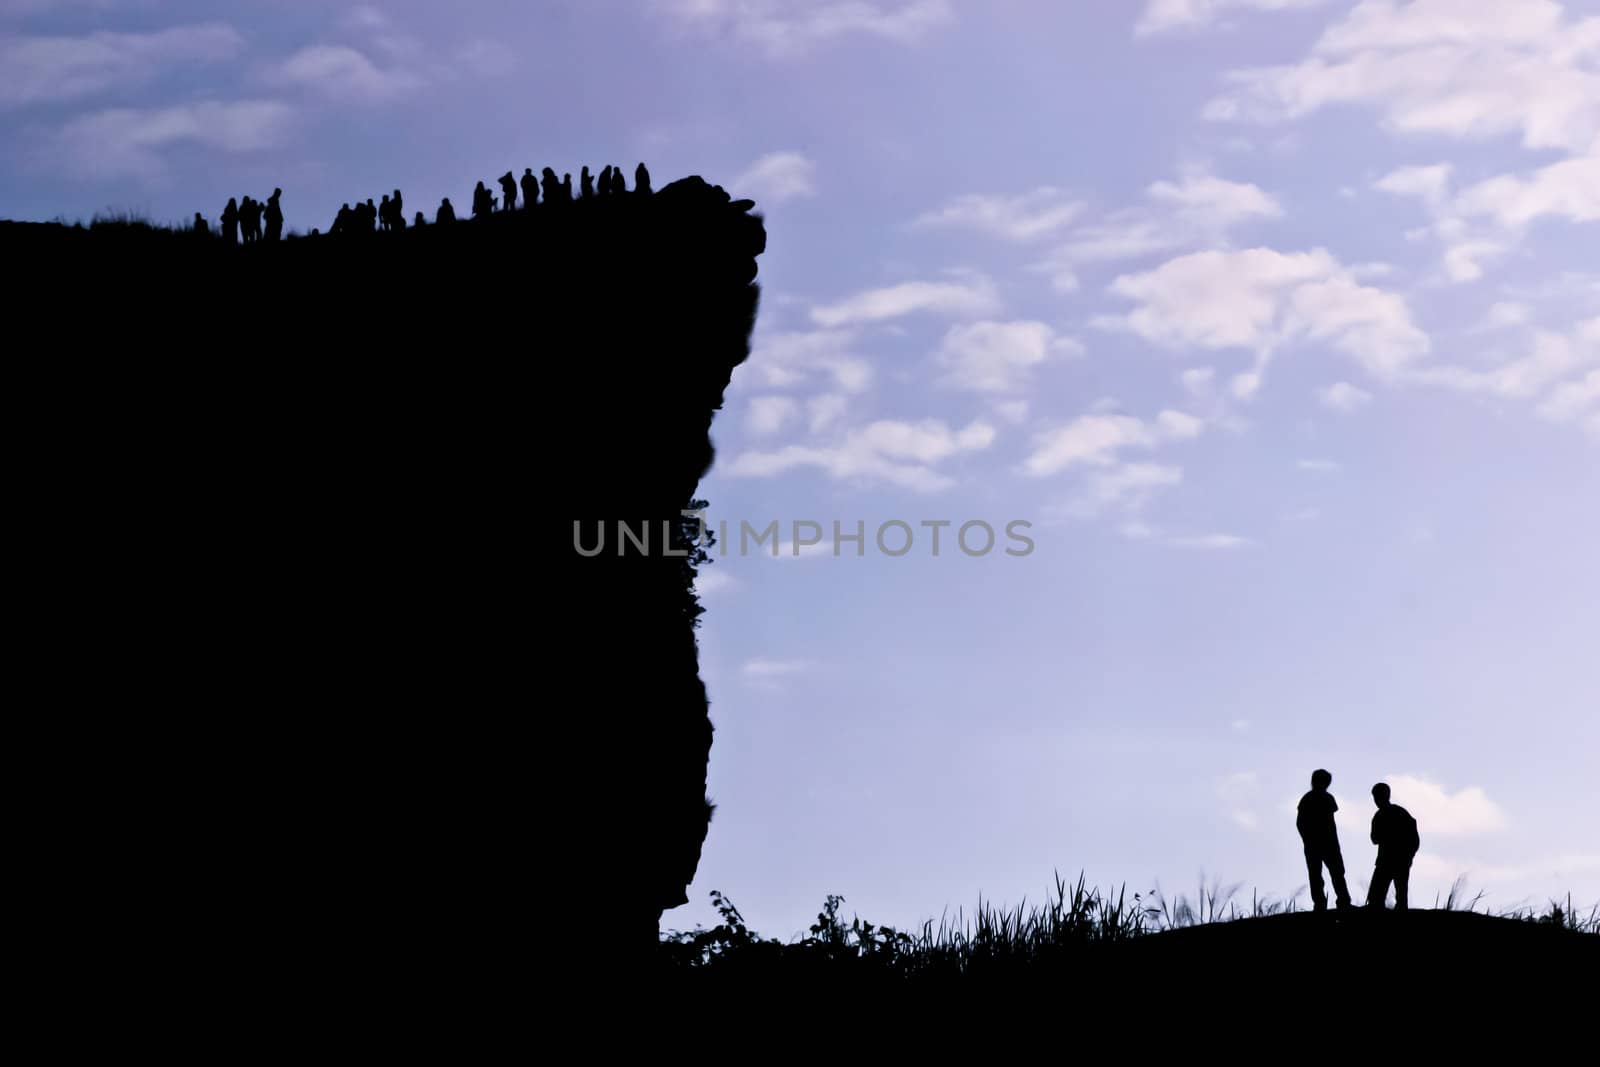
<point x="1279" y="320"/>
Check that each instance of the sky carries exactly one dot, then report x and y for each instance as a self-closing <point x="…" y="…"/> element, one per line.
<point x="1277" y="322"/>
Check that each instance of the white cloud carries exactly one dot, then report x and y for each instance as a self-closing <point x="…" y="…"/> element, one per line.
<point x="1096" y="439"/>
<point x="1012" y="411"/>
<point x="1462" y="262"/>
<point x="770" y="414"/>
<point x="1320" y="466"/>
<point x="1199" y="382"/>
<point x="1431" y="184"/>
<point x="1572" y="400"/>
<point x="1128" y="486"/>
<point x="1215" y="203"/>
<point x="1196" y="210"/>
<point x="822" y="410"/>
<point x="344" y="73"/>
<point x="1504" y="314"/>
<point x="786" y="28"/>
<point x="1161" y="16"/>
<point x="888" y="451"/>
<point x="1011" y="218"/>
<point x="997" y="357"/>
<point x="1551" y="871"/>
<point x="1569" y="189"/>
<point x="1554" y="356"/>
<point x="777" y="177"/>
<point x="1215" y="542"/>
<point x="771" y="674"/>
<point x="1463" y="68"/>
<point x="784" y="360"/>
<point x="958" y="299"/>
<point x="1239" y="794"/>
<point x="1344" y="397"/>
<point x="1259" y="300"/>
<point x="1440" y="812"/>
<point x="772" y="668"/>
<point x="714" y="581"/>
<point x="366" y="17"/>
<point x="127" y="142"/>
<point x="1483" y="221"/>
<point x="37" y="70"/>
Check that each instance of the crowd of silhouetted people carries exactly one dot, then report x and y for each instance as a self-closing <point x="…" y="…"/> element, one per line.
<point x="251" y="221"/>
<point x="248" y="220"/>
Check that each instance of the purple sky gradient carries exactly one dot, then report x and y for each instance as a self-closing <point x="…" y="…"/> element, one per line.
<point x="1279" y="321"/>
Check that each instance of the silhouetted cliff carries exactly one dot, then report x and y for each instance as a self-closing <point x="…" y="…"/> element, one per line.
<point x="331" y="688"/>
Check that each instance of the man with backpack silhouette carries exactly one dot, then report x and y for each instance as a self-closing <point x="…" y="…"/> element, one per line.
<point x="1321" y="839"/>
<point x="1394" y="831"/>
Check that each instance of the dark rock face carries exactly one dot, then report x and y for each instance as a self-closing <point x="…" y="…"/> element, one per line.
<point x="337" y="690"/>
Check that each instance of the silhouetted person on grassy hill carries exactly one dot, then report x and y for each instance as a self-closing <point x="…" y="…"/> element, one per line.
<point x="619" y="184"/>
<point x="249" y="213"/>
<point x="586" y="184"/>
<point x="508" y="191"/>
<point x="1320" y="836"/>
<point x="230" y="222"/>
<point x="641" y="179"/>
<point x="446" y="213"/>
<point x="420" y="221"/>
<point x="261" y="212"/>
<point x="369" y="217"/>
<point x="397" y="206"/>
<point x="343" y="222"/>
<point x="566" y="187"/>
<point x="482" y="201"/>
<point x="1394" y="831"/>
<point x="275" y="216"/>
<point x="530" y="188"/>
<point x="385" y="214"/>
<point x="550" y="184"/>
<point x="605" y="181"/>
<point x="201" y="227"/>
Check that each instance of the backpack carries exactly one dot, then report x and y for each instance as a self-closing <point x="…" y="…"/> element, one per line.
<point x="1412" y="841"/>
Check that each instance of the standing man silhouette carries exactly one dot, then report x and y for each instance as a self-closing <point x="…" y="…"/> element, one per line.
<point x="274" y="215"/>
<point x="1321" y="839"/>
<point x="1394" y="831"/>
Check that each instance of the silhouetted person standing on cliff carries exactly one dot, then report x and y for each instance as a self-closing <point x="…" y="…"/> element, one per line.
<point x="275" y="216"/>
<point x="1394" y="831"/>
<point x="201" y="227"/>
<point x="586" y="184"/>
<point x="397" y="209"/>
<point x="249" y="219"/>
<point x="530" y="188"/>
<point x="508" y="191"/>
<point x="605" y="182"/>
<point x="619" y="184"/>
<point x="447" y="214"/>
<point x="641" y="179"/>
<point x="482" y="201"/>
<point x="230" y="222"/>
<point x="385" y="214"/>
<point x="1320" y="836"/>
<point x="551" y="185"/>
<point x="566" y="186"/>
